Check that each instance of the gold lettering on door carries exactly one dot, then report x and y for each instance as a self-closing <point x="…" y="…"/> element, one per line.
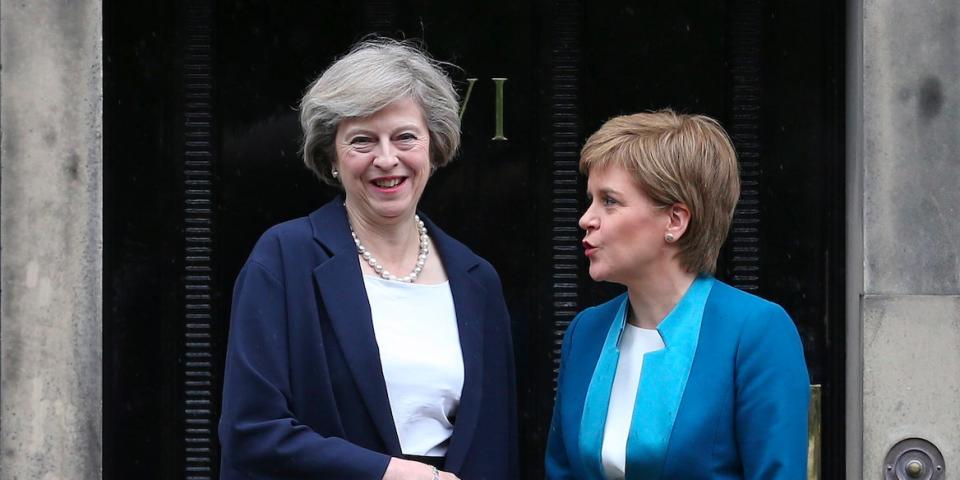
<point x="498" y="133"/>
<point x="498" y="106"/>
<point x="466" y="97"/>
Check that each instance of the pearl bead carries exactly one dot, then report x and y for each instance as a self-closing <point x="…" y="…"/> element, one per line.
<point x="423" y="250"/>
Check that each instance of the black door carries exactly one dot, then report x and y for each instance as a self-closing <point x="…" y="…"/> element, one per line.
<point x="201" y="155"/>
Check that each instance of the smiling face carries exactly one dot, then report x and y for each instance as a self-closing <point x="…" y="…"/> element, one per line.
<point x="384" y="161"/>
<point x="624" y="229"/>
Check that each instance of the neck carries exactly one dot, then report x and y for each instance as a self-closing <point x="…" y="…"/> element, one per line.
<point x="652" y="297"/>
<point x="392" y="240"/>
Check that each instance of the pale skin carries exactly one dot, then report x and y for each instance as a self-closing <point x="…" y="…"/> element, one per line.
<point x="383" y="163"/>
<point x="632" y="241"/>
<point x="392" y="144"/>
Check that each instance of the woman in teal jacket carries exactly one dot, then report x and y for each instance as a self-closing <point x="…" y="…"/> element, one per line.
<point x="683" y="376"/>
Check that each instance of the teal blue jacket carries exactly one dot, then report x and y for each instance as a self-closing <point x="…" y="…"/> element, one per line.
<point x="726" y="398"/>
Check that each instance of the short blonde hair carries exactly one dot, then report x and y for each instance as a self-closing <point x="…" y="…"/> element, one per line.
<point x="375" y="73"/>
<point x="676" y="158"/>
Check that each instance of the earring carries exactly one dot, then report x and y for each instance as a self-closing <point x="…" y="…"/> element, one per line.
<point x="668" y="237"/>
<point x="335" y="173"/>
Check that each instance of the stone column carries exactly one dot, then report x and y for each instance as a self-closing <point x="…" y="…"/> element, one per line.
<point x="51" y="239"/>
<point x="904" y="230"/>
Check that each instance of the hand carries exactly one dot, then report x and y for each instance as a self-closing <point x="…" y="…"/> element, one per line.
<point x="399" y="469"/>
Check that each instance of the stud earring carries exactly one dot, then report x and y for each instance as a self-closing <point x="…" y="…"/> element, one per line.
<point x="335" y="173"/>
<point x="669" y="238"/>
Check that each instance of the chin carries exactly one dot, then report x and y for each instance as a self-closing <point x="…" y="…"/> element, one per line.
<point x="395" y="208"/>
<point x="597" y="273"/>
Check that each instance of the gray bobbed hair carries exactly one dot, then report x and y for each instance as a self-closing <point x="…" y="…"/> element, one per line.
<point x="375" y="73"/>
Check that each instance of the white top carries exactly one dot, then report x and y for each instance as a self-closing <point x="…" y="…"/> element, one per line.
<point x="634" y="343"/>
<point x="416" y="329"/>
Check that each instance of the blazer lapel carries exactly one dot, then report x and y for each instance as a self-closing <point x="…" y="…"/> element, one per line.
<point x="662" y="383"/>
<point x="340" y="286"/>
<point x="468" y="300"/>
<point x="597" y="401"/>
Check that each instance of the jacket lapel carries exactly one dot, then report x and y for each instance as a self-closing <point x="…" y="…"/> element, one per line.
<point x="662" y="383"/>
<point x="597" y="401"/>
<point x="468" y="300"/>
<point x="340" y="287"/>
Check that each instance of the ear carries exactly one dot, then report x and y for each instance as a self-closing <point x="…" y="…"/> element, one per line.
<point x="678" y="216"/>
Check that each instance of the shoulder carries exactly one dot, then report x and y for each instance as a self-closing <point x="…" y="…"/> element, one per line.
<point x="458" y="256"/>
<point x="487" y="275"/>
<point x="761" y="327"/>
<point x="280" y="237"/>
<point x="602" y="314"/>
<point x="288" y="248"/>
<point x="749" y="311"/>
<point x="593" y="322"/>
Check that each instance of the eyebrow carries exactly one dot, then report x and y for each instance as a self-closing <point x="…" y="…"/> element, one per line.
<point x="366" y="131"/>
<point x="608" y="191"/>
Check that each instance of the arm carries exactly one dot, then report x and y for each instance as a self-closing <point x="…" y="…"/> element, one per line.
<point x="261" y="437"/>
<point x="513" y="463"/>
<point x="773" y="392"/>
<point x="503" y="329"/>
<point x="557" y="464"/>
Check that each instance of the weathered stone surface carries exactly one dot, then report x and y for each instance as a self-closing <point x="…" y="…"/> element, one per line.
<point x="911" y="375"/>
<point x="51" y="239"/>
<point x="911" y="147"/>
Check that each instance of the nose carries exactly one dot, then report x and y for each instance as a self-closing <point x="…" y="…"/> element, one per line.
<point x="386" y="156"/>
<point x="588" y="221"/>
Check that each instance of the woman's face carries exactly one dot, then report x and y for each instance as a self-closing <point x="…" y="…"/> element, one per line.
<point x="384" y="161"/>
<point x="624" y="229"/>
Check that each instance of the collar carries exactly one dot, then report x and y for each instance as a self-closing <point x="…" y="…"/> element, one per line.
<point x="331" y="229"/>
<point x="662" y="383"/>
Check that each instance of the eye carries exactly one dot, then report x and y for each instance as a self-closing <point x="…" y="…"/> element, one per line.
<point x="361" y="143"/>
<point x="406" y="137"/>
<point x="608" y="201"/>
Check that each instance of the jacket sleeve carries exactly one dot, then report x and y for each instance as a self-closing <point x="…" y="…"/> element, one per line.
<point x="260" y="436"/>
<point x="557" y="464"/>
<point x="513" y="461"/>
<point x="772" y="397"/>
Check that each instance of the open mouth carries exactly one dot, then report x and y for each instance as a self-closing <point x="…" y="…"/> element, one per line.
<point x="388" y="183"/>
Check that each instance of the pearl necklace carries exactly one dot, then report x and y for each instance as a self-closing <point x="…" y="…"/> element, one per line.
<point x="423" y="251"/>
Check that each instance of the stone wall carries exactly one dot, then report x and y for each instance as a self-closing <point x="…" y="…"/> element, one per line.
<point x="51" y="239"/>
<point x="905" y="227"/>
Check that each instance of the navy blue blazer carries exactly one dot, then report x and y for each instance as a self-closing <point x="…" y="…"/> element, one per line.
<point x="304" y="394"/>
<point x="742" y="413"/>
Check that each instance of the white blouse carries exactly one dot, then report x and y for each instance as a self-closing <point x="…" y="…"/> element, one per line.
<point x="634" y="343"/>
<point x="416" y="329"/>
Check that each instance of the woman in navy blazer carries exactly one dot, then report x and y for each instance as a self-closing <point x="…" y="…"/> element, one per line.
<point x="683" y="376"/>
<point x="338" y="369"/>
